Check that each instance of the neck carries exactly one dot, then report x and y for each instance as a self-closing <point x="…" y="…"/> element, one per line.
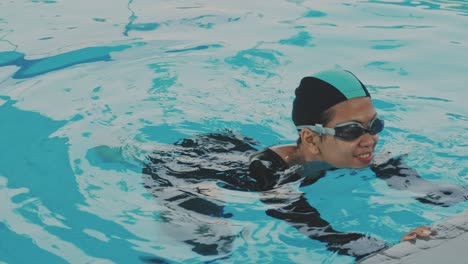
<point x="298" y="155"/>
<point x="306" y="156"/>
<point x="294" y="154"/>
<point x="311" y="164"/>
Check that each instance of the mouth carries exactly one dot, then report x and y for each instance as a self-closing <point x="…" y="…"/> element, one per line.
<point x="365" y="157"/>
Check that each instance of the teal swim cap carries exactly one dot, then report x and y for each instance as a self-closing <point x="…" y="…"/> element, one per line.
<point x="323" y="90"/>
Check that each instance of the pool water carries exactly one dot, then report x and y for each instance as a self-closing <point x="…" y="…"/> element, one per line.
<point x="89" y="90"/>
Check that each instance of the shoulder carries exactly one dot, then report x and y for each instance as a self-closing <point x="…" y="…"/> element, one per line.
<point x="269" y="159"/>
<point x="264" y="167"/>
<point x="261" y="154"/>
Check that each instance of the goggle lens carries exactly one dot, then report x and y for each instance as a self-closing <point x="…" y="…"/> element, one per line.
<point x="352" y="131"/>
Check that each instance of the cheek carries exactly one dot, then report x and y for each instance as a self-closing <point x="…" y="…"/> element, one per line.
<point x="340" y="153"/>
<point x="375" y="139"/>
<point x="341" y="149"/>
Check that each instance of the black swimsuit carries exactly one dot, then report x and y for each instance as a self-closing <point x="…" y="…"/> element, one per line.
<point x="223" y="157"/>
<point x="265" y="167"/>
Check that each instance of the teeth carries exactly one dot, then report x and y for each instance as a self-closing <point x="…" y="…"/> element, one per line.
<point x="364" y="155"/>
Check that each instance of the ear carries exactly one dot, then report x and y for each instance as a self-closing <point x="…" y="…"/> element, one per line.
<point x="310" y="139"/>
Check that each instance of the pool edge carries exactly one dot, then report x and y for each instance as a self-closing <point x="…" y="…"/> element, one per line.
<point x="448" y="245"/>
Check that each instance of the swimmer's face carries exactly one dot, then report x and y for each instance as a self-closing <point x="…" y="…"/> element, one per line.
<point x="357" y="153"/>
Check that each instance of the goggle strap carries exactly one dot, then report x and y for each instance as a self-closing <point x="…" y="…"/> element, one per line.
<point x="318" y="128"/>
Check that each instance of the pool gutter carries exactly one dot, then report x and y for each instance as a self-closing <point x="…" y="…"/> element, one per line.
<point x="448" y="245"/>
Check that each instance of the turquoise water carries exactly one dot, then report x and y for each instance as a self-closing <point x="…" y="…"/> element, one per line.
<point x="88" y="89"/>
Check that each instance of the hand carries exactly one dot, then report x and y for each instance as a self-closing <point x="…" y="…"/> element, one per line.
<point x="420" y="232"/>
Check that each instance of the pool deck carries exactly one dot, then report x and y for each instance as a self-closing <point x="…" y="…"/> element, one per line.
<point x="448" y="245"/>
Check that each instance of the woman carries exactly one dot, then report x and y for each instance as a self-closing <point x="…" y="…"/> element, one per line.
<point x="338" y="127"/>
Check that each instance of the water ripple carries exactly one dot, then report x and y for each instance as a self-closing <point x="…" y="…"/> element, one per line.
<point x="387" y="66"/>
<point x="387" y="44"/>
<point x="302" y="39"/>
<point x="32" y="68"/>
<point x="398" y="27"/>
<point x="454" y="5"/>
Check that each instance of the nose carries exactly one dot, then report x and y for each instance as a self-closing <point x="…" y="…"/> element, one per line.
<point x="368" y="140"/>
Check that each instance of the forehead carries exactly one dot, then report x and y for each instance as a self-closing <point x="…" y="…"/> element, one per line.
<point x="358" y="109"/>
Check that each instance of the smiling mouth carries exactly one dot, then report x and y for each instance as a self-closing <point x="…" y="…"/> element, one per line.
<point x="365" y="157"/>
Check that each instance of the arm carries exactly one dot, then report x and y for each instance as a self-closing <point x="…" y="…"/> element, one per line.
<point x="292" y="207"/>
<point x="400" y="176"/>
<point x="305" y="218"/>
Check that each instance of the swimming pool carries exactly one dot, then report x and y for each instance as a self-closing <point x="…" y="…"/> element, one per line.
<point x="88" y="90"/>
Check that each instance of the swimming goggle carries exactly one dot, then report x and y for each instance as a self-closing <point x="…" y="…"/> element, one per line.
<point x="348" y="131"/>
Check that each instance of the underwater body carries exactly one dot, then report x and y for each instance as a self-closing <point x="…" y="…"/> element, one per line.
<point x="188" y="175"/>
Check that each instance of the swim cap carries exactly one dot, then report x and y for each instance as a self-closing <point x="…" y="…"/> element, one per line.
<point x="323" y="90"/>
